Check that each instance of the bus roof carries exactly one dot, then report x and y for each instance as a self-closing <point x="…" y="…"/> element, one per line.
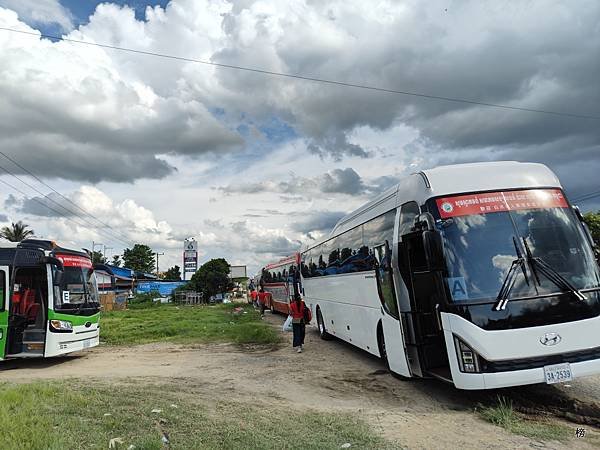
<point x="448" y="180"/>
<point x="39" y="244"/>
<point x="282" y="262"/>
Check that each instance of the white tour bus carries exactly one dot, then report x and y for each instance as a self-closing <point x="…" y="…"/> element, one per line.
<point x="479" y="274"/>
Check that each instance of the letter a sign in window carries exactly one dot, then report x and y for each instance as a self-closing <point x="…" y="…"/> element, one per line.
<point x="458" y="288"/>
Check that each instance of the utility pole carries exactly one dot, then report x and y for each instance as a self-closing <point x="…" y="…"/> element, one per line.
<point x="94" y="245"/>
<point x="106" y="248"/>
<point x="157" y="255"/>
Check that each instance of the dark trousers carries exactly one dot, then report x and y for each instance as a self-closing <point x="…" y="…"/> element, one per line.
<point x="262" y="309"/>
<point x="299" y="329"/>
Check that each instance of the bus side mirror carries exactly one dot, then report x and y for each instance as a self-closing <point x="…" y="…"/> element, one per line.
<point x="434" y="254"/>
<point x="58" y="268"/>
<point x="586" y="229"/>
<point x="53" y="262"/>
<point x="424" y="221"/>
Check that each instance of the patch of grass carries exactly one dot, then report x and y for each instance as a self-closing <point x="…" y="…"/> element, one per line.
<point x="186" y="325"/>
<point x="72" y="416"/>
<point x="504" y="415"/>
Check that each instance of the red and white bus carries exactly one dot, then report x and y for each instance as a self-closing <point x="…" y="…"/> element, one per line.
<point x="281" y="281"/>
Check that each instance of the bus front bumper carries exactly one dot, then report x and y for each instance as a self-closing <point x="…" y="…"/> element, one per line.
<point x="518" y="377"/>
<point x="80" y="339"/>
<point x="517" y="356"/>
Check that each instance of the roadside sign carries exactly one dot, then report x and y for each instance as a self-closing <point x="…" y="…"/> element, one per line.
<point x="190" y="256"/>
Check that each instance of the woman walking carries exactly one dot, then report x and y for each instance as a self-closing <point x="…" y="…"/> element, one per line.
<point x="299" y="313"/>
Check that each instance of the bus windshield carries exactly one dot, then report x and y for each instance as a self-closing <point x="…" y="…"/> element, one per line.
<point x="484" y="234"/>
<point x="77" y="287"/>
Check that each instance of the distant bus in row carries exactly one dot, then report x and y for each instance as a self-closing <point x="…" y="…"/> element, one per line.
<point x="482" y="275"/>
<point x="281" y="281"/>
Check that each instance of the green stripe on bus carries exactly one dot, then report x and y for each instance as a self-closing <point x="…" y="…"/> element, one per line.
<point x="74" y="319"/>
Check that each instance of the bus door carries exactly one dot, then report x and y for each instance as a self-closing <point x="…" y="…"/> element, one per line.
<point x="390" y="324"/>
<point x="4" y="308"/>
<point x="422" y="271"/>
<point x="27" y="319"/>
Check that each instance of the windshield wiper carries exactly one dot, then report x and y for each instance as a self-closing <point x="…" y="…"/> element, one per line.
<point x="552" y="274"/>
<point x="510" y="279"/>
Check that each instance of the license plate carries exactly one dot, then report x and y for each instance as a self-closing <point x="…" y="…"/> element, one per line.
<point x="558" y="373"/>
<point x="87" y="343"/>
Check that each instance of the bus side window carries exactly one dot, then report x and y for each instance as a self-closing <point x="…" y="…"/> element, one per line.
<point x="333" y="257"/>
<point x="305" y="264"/>
<point x="350" y="243"/>
<point x="408" y="212"/>
<point x="2" y="293"/>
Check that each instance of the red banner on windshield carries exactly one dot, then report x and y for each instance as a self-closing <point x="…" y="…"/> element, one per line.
<point x="75" y="261"/>
<point x="491" y="202"/>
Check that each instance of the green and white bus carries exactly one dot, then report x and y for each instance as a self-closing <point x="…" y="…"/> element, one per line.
<point x="48" y="300"/>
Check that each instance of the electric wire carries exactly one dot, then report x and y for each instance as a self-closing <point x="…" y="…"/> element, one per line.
<point x="61" y="214"/>
<point x="106" y="233"/>
<point x="307" y="78"/>
<point x="585" y="197"/>
<point x="63" y="197"/>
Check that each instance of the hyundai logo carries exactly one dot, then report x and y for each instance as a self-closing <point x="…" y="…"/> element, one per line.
<point x="89" y="324"/>
<point x="550" y="339"/>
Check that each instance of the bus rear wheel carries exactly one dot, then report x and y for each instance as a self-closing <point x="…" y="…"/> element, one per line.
<point x="321" y="324"/>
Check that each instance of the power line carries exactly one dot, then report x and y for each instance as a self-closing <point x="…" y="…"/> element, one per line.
<point x="585" y="197"/>
<point x="38" y="201"/>
<point x="308" y="78"/>
<point x="63" y="207"/>
<point x="61" y="214"/>
<point x="62" y="196"/>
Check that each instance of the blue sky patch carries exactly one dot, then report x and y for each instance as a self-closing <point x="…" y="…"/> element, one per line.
<point x="83" y="9"/>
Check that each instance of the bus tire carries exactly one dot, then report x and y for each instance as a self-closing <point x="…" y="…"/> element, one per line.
<point x="321" y="326"/>
<point x="381" y="345"/>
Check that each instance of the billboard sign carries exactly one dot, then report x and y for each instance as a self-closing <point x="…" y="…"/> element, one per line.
<point x="190" y="256"/>
<point x="164" y="288"/>
<point x="238" y="272"/>
<point x="190" y="245"/>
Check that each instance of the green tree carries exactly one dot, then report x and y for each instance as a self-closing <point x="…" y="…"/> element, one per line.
<point x="116" y="261"/>
<point x="98" y="258"/>
<point x="139" y="258"/>
<point x="593" y="223"/>
<point x="212" y="278"/>
<point x="16" y="232"/>
<point x="174" y="273"/>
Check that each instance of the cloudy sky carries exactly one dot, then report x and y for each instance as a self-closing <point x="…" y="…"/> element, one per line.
<point x="253" y="165"/>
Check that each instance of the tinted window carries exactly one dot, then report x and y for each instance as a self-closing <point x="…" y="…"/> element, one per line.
<point x="333" y="257"/>
<point x="2" y="287"/>
<point x="378" y="231"/>
<point x="350" y="243"/>
<point x="408" y="212"/>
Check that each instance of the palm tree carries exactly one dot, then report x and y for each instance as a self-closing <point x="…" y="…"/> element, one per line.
<point x="16" y="232"/>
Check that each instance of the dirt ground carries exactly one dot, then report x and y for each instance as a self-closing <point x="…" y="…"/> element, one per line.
<point x="328" y="376"/>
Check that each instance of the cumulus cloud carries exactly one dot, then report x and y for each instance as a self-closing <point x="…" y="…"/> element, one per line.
<point x="317" y="222"/>
<point x="337" y="181"/>
<point x="250" y="237"/>
<point x="41" y="12"/>
<point x="122" y="223"/>
<point x="74" y="112"/>
<point x="3" y="218"/>
<point x="94" y="114"/>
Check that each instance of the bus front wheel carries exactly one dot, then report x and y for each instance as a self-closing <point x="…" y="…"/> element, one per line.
<point x="382" y="349"/>
<point x="321" y="324"/>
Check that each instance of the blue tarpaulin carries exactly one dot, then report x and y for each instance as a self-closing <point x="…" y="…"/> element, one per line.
<point x="164" y="288"/>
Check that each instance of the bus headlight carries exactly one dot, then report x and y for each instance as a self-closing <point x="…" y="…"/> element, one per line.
<point x="61" y="325"/>
<point x="468" y="360"/>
